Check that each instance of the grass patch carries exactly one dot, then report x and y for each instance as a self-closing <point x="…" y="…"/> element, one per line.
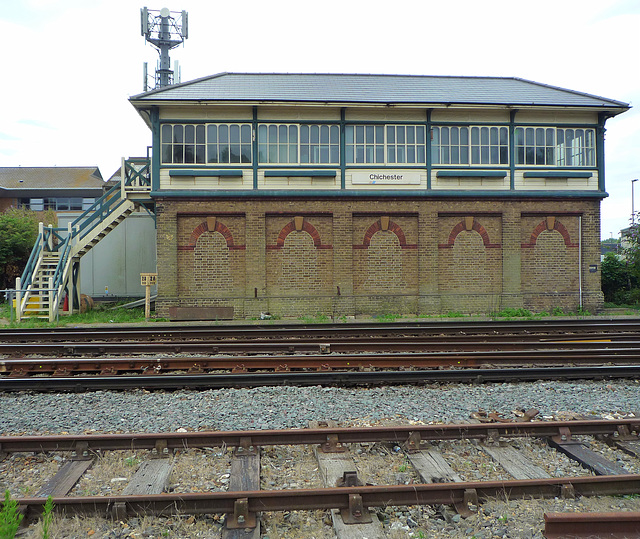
<point x="118" y="315"/>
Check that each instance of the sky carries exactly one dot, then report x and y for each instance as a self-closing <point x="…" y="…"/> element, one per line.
<point x="70" y="66"/>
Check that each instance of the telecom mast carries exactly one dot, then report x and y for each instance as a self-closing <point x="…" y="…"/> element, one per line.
<point x="165" y="30"/>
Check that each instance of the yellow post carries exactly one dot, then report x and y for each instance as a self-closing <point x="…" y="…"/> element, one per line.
<point x="147" y="280"/>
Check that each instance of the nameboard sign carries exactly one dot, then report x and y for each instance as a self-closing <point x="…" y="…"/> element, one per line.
<point x="398" y="177"/>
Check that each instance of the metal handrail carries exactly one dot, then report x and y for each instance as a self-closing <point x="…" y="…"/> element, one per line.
<point x="31" y="263"/>
<point x="51" y="239"/>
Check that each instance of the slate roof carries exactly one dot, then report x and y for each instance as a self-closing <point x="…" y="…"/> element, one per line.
<point x="378" y="89"/>
<point x="44" y="179"/>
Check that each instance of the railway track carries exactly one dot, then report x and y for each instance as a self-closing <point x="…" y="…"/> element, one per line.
<point x="201" y="381"/>
<point x="596" y="328"/>
<point x="334" y="474"/>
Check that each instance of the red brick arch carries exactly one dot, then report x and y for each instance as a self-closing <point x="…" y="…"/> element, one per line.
<point x="377" y="227"/>
<point x="557" y="226"/>
<point x="204" y="227"/>
<point x="306" y="227"/>
<point x="460" y="227"/>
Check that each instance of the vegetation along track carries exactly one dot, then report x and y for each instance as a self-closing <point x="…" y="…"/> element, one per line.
<point x="421" y="465"/>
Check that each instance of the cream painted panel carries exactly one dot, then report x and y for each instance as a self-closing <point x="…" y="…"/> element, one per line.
<point x="469" y="115"/>
<point x="385" y="115"/>
<point x="556" y="184"/>
<point x="303" y="182"/>
<point x="555" y="117"/>
<point x="205" y="182"/>
<point x="208" y="113"/>
<point x="315" y="114"/>
<point x="469" y="184"/>
<point x="369" y="179"/>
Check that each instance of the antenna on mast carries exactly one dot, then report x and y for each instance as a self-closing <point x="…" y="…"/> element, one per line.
<point x="165" y="30"/>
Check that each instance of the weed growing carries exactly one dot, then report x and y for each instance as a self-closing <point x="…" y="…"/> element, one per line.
<point x="10" y="518"/>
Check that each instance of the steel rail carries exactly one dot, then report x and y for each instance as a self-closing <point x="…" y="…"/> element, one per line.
<point x="210" y="330"/>
<point x="333" y="498"/>
<point x="308" y="347"/>
<point x="341" y="378"/>
<point x="614" y="525"/>
<point x="337" y="435"/>
<point x="322" y="362"/>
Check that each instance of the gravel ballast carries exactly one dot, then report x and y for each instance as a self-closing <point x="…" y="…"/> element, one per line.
<point x="283" y="467"/>
<point x="294" y="407"/>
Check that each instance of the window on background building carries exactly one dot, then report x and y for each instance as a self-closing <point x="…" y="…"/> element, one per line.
<point x="553" y="146"/>
<point x="210" y="143"/>
<point x="56" y="203"/>
<point x="470" y="145"/>
<point x="299" y="144"/>
<point x="385" y="144"/>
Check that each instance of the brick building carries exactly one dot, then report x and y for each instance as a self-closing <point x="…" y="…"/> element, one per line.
<point x="362" y="194"/>
<point x="50" y="188"/>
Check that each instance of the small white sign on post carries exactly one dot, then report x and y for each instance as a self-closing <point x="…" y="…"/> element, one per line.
<point x="148" y="280"/>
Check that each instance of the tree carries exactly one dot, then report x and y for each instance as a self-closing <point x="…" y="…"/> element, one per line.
<point x="616" y="279"/>
<point x="18" y="233"/>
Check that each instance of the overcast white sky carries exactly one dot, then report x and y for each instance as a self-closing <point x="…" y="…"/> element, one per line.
<point x="69" y="66"/>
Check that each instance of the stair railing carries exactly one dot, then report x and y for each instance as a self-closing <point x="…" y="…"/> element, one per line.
<point x="135" y="177"/>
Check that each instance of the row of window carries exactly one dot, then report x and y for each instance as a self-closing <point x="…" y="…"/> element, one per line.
<point x="376" y="144"/>
<point x="56" y="204"/>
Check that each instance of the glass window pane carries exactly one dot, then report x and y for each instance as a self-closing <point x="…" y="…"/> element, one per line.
<point x="246" y="153"/>
<point x="273" y="134"/>
<point x="212" y="152"/>
<point x="504" y="136"/>
<point x="189" y="153"/>
<point x="293" y="134"/>
<point x="304" y="152"/>
<point x="380" y="154"/>
<point x="335" y="135"/>
<point x="475" y="135"/>
<point x="223" y="153"/>
<point x="335" y="153"/>
<point x="391" y="135"/>
<point x="283" y="133"/>
<point x="200" y="134"/>
<point x="166" y="153"/>
<point x="166" y="133"/>
<point x="223" y="133"/>
<point x="304" y="134"/>
<point x="189" y="134"/>
<point x="324" y="134"/>
<point x="349" y="154"/>
<point x="380" y="134"/>
<point x="369" y="134"/>
<point x="245" y="134"/>
<point x="262" y="134"/>
<point x="411" y="135"/>
<point x="200" y="154"/>
<point x="420" y="157"/>
<point x="348" y="134"/>
<point x="359" y="134"/>
<point x="314" y="133"/>
<point x="400" y="136"/>
<point x="493" y="136"/>
<point x="178" y="133"/>
<point x="178" y="153"/>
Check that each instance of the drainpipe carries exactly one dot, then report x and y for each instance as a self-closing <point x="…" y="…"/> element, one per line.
<point x="580" y="259"/>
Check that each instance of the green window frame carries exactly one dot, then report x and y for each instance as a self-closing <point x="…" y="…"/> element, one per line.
<point x="201" y="144"/>
<point x="469" y="145"/>
<point x="385" y="144"/>
<point x="555" y="146"/>
<point x="298" y="144"/>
